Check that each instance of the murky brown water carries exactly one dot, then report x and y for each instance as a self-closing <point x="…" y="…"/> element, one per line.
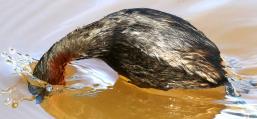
<point x="33" y="26"/>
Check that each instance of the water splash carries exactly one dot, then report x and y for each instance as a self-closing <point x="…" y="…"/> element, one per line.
<point x="238" y="108"/>
<point x="21" y="65"/>
<point x="245" y="105"/>
<point x="86" y="77"/>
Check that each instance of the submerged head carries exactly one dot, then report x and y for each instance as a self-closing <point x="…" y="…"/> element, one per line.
<point x="40" y="92"/>
<point x="173" y="55"/>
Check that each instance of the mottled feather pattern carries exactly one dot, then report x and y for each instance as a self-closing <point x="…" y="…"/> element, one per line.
<point x="151" y="48"/>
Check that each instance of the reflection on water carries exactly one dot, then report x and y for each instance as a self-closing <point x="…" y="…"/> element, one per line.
<point x="231" y="25"/>
<point x="128" y="101"/>
<point x="134" y="102"/>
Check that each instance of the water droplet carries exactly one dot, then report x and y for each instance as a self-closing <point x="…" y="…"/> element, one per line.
<point x="8" y="101"/>
<point x="49" y="88"/>
<point x="15" y="104"/>
<point x="12" y="51"/>
<point x="9" y="61"/>
<point x="3" y="54"/>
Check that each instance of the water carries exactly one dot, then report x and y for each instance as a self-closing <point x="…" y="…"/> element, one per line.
<point x="79" y="84"/>
<point x="33" y="26"/>
<point x="86" y="80"/>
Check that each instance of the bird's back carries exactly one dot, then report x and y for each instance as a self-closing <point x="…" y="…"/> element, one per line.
<point x="157" y="49"/>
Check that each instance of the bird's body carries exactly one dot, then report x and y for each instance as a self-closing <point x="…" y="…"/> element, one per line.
<point x="151" y="48"/>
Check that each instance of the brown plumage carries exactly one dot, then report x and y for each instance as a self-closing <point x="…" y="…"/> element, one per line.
<point x="150" y="47"/>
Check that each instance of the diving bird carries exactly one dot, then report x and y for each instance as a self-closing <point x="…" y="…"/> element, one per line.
<point x="153" y="49"/>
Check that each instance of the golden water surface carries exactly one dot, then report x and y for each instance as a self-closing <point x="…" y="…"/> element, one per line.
<point x="128" y="101"/>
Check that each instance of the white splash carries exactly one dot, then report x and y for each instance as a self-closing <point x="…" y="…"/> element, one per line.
<point x="90" y="73"/>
